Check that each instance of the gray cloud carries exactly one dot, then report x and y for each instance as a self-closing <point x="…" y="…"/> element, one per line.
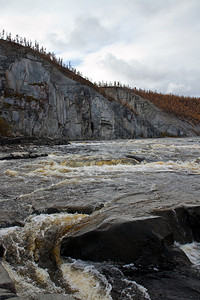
<point x="86" y="35"/>
<point x="89" y="34"/>
<point x="162" y="78"/>
<point x="151" y="44"/>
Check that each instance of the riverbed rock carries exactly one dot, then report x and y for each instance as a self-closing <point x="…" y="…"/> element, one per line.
<point x="1" y="250"/>
<point x="5" y="294"/>
<point x="142" y="241"/>
<point x="5" y="281"/>
<point x="194" y="221"/>
<point x="21" y="155"/>
<point x="178" y="218"/>
<point x="20" y="298"/>
<point x="169" y="284"/>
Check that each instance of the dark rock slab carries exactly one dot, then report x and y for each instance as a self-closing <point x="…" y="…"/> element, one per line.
<point x="5" y="280"/>
<point x="1" y="250"/>
<point x="179" y="223"/>
<point x="137" y="158"/>
<point x="182" y="284"/>
<point x="194" y="221"/>
<point x="144" y="241"/>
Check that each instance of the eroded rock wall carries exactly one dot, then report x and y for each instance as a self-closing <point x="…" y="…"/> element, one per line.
<point x="38" y="100"/>
<point x="147" y="113"/>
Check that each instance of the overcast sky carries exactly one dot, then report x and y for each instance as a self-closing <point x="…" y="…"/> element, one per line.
<point x="151" y="44"/>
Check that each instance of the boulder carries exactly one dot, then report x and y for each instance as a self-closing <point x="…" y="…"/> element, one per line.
<point x="142" y="241"/>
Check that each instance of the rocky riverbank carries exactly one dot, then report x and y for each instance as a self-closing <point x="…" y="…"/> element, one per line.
<point x="110" y="214"/>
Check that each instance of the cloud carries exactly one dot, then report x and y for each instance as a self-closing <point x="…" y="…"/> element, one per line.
<point x="87" y="34"/>
<point x="149" y="44"/>
<point x="164" y="78"/>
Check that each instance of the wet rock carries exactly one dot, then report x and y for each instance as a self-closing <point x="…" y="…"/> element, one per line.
<point x="5" y="294"/>
<point x="1" y="250"/>
<point x="20" y="298"/>
<point x="179" y="223"/>
<point x="16" y="216"/>
<point x="84" y="209"/>
<point x="144" y="241"/>
<point x="18" y="155"/>
<point x="45" y="297"/>
<point x="52" y="297"/>
<point x="194" y="221"/>
<point x="22" y="155"/>
<point x="137" y="158"/>
<point x="167" y="285"/>
<point x="5" y="281"/>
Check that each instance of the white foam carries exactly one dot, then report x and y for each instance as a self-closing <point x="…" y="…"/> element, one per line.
<point x="25" y="244"/>
<point x="192" y="251"/>
<point x="86" y="281"/>
<point x="131" y="286"/>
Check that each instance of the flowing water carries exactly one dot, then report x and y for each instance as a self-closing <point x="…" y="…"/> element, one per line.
<point x="192" y="250"/>
<point x="45" y="197"/>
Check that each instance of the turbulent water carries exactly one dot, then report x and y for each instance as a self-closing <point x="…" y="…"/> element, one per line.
<point x="59" y="191"/>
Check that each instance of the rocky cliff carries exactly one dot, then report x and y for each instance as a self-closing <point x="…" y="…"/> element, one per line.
<point x="37" y="99"/>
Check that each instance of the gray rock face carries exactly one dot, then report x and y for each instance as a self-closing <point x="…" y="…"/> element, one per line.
<point x="37" y="99"/>
<point x="150" y="119"/>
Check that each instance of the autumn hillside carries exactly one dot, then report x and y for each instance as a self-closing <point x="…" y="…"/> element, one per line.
<point x="186" y="108"/>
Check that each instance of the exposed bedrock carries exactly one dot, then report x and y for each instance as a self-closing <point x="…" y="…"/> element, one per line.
<point x="37" y="99"/>
<point x="142" y="241"/>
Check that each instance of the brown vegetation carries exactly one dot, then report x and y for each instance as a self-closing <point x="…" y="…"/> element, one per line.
<point x="4" y="127"/>
<point x="186" y="108"/>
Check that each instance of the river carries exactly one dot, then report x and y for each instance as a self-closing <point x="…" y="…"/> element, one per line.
<point x="41" y="199"/>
